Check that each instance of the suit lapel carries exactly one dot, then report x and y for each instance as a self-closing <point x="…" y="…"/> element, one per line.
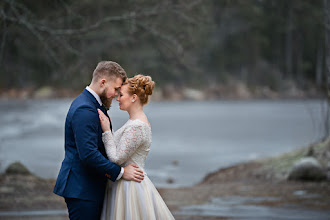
<point x="97" y="104"/>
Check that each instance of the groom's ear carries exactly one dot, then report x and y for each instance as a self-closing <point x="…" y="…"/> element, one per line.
<point x="102" y="82"/>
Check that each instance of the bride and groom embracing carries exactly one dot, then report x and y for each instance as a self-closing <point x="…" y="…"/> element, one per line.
<point x="94" y="154"/>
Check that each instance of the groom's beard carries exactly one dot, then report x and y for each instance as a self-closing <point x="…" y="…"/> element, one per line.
<point x="104" y="100"/>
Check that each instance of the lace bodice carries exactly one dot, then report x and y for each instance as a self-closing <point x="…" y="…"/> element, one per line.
<point x="129" y="144"/>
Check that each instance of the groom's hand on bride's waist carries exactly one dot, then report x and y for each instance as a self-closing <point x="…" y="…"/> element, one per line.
<point x="132" y="172"/>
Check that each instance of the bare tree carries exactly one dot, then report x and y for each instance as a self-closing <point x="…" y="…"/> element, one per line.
<point x="61" y="41"/>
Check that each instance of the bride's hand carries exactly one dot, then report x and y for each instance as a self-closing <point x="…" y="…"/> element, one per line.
<point x="105" y="123"/>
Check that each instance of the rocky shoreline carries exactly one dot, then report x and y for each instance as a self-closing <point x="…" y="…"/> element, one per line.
<point x="262" y="179"/>
<point x="233" y="90"/>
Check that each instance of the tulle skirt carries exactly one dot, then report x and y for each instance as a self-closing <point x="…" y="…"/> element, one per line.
<point x="129" y="200"/>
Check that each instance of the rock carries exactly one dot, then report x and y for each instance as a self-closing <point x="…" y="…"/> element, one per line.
<point x="242" y="91"/>
<point x="265" y="92"/>
<point x="310" y="152"/>
<point x="193" y="94"/>
<point x="17" y="168"/>
<point x="170" y="180"/>
<point x="300" y="193"/>
<point x="175" y="163"/>
<point x="171" y="92"/>
<point x="157" y="95"/>
<point x="6" y="189"/>
<point x="308" y="169"/>
<point x="44" y="92"/>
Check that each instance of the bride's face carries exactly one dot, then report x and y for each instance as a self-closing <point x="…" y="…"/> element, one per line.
<point x="124" y="98"/>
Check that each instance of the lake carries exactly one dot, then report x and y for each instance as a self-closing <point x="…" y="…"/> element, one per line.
<point x="190" y="139"/>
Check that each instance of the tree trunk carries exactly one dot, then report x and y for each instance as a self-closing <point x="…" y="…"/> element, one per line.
<point x="289" y="41"/>
<point x="319" y="66"/>
<point x="327" y="63"/>
<point x="299" y="59"/>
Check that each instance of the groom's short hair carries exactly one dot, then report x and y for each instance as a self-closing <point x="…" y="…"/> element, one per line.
<point x="109" y="69"/>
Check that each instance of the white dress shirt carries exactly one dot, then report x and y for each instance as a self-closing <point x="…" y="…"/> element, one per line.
<point x="100" y="102"/>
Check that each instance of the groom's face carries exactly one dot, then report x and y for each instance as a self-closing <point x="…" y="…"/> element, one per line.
<point x="110" y="91"/>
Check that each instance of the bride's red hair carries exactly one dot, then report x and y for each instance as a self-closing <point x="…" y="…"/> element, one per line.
<point x="142" y="86"/>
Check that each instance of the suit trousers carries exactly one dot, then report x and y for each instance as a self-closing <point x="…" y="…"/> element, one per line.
<point x="83" y="209"/>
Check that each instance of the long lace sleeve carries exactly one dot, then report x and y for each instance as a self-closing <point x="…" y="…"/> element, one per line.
<point x="132" y="138"/>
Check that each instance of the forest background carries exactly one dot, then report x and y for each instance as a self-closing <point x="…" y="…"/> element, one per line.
<point x="227" y="49"/>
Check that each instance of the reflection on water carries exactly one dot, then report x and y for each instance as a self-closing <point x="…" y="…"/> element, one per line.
<point x="190" y="139"/>
<point x="237" y="207"/>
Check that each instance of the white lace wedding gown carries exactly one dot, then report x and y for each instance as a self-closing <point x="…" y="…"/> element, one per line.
<point x="129" y="199"/>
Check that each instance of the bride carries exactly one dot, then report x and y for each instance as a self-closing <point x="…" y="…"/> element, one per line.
<point x="130" y="145"/>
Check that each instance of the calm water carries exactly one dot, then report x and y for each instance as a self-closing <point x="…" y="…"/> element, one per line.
<point x="190" y="139"/>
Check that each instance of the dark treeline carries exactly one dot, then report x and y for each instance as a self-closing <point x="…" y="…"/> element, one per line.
<point x="182" y="43"/>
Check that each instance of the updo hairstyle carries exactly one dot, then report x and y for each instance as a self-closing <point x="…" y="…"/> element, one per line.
<point x="140" y="85"/>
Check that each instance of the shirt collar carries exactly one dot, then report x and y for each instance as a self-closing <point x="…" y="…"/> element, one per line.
<point x="97" y="97"/>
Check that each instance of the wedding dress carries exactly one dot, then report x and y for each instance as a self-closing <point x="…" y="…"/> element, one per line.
<point x="129" y="199"/>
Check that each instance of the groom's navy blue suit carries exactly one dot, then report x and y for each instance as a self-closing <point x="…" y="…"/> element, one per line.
<point x="85" y="168"/>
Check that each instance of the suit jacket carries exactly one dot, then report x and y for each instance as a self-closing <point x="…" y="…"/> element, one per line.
<point x="85" y="168"/>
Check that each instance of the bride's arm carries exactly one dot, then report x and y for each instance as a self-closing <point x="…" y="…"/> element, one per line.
<point x="132" y="138"/>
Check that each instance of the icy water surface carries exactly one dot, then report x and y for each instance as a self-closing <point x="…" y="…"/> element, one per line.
<point x="190" y="139"/>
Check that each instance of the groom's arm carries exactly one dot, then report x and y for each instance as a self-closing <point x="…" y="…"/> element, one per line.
<point x="85" y="125"/>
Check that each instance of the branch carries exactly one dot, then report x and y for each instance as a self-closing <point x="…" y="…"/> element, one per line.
<point x="65" y="44"/>
<point x="185" y="17"/>
<point x="193" y="4"/>
<point x="179" y="47"/>
<point x="33" y="31"/>
<point x="129" y="16"/>
<point x="97" y="25"/>
<point x="37" y="28"/>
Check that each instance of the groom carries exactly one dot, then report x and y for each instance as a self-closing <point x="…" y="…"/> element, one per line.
<point x="86" y="168"/>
